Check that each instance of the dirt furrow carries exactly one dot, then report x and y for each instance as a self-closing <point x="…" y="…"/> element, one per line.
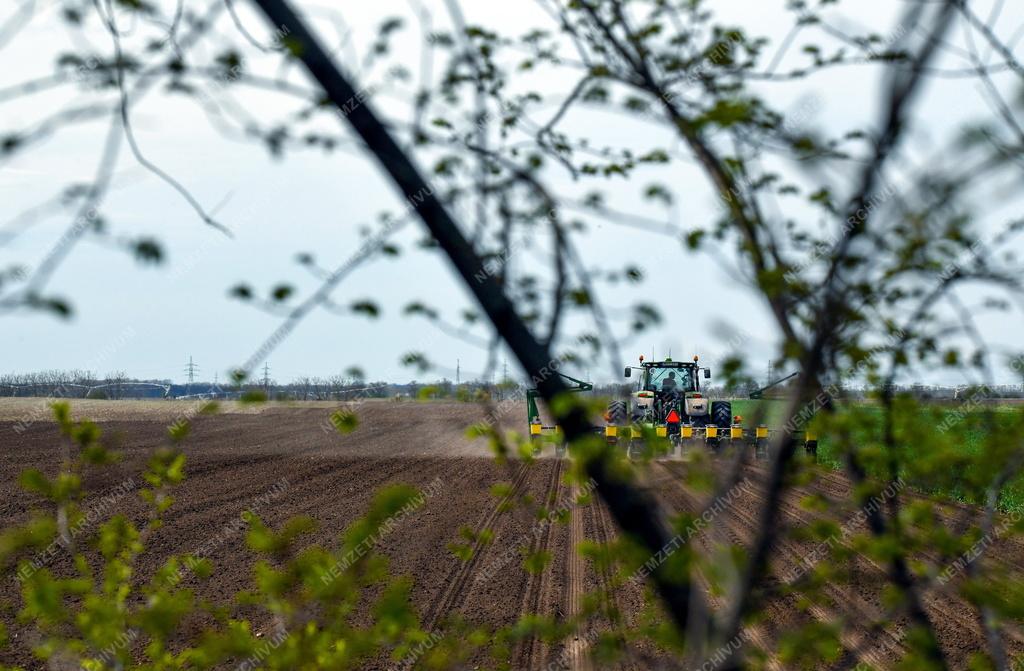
<point x="675" y="497"/>
<point x="532" y="652"/>
<point x="576" y="650"/>
<point x="459" y="574"/>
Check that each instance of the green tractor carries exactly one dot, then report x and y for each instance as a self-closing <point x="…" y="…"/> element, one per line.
<point x="669" y="402"/>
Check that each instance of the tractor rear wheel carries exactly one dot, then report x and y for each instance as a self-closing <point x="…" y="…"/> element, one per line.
<point x="721" y="414"/>
<point x="617" y="413"/>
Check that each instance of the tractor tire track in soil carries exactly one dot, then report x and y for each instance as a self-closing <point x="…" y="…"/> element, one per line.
<point x="599" y="577"/>
<point x="532" y="652"/>
<point x="624" y="602"/>
<point x="575" y="651"/>
<point x="621" y="603"/>
<point x="453" y="595"/>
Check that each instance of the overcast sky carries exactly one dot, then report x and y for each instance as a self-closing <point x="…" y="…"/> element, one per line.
<point x="149" y="321"/>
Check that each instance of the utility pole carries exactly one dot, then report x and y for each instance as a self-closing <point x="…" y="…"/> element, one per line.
<point x="266" y="379"/>
<point x="190" y="369"/>
<point x="458" y="372"/>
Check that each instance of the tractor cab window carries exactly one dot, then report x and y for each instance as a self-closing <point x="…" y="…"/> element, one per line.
<point x="670" y="379"/>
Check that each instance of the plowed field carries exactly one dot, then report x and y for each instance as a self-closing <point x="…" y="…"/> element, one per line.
<point x="283" y="461"/>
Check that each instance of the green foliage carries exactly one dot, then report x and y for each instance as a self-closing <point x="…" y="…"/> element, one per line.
<point x="179" y="431"/>
<point x="808" y="646"/>
<point x="241" y="291"/>
<point x="253" y="397"/>
<point x="941" y="449"/>
<point x="344" y="421"/>
<point x="366" y="308"/>
<point x="148" y="251"/>
<point x="282" y="292"/>
<point x="536" y="562"/>
<point x="58" y="306"/>
<point x="417" y="360"/>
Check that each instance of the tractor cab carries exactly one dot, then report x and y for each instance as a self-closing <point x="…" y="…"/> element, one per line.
<point x="669" y="376"/>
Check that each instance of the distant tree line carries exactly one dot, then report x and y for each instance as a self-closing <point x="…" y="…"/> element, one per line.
<point x="76" y="384"/>
<point x="117" y="385"/>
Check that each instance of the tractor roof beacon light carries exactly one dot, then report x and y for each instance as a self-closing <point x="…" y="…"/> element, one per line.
<point x="695" y="357"/>
<point x="641" y="358"/>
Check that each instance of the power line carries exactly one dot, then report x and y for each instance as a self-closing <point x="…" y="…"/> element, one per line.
<point x="190" y="369"/>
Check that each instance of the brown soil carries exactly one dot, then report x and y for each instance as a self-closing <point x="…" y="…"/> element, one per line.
<point x="287" y="460"/>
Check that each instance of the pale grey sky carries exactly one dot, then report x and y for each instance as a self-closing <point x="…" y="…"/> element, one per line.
<point x="148" y="321"/>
